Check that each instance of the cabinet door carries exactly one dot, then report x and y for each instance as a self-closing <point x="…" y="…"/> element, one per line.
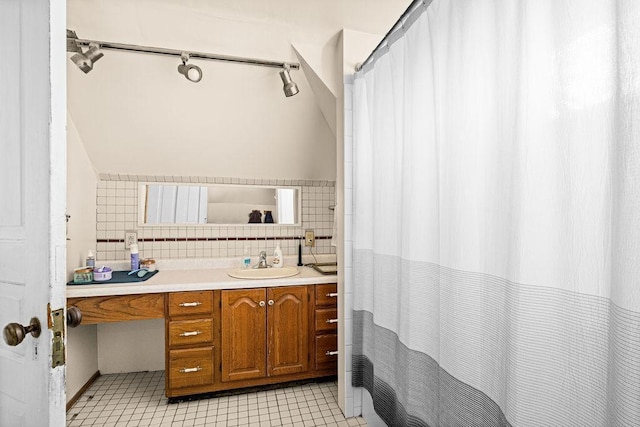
<point x="288" y="327"/>
<point x="243" y="326"/>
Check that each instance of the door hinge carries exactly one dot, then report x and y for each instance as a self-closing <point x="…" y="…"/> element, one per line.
<point x="57" y="320"/>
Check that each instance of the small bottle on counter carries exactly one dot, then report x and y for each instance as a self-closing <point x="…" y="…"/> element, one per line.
<point x="135" y="257"/>
<point x="246" y="258"/>
<point x="277" y="257"/>
<point x="91" y="260"/>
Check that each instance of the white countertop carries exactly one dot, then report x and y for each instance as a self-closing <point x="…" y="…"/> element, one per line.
<point x="195" y="279"/>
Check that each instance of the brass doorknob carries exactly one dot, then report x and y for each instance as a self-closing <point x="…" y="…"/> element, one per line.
<point x="14" y="333"/>
<point x="74" y="317"/>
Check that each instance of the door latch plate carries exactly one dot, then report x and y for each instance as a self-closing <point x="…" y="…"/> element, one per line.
<point x="57" y="342"/>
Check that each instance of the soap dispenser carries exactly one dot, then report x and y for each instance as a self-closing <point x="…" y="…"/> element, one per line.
<point x="246" y="258"/>
<point x="91" y="260"/>
<point x="277" y="257"/>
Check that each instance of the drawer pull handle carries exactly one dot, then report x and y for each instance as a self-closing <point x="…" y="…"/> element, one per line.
<point x="331" y="353"/>
<point x="190" y="304"/>
<point x="187" y="370"/>
<point x="190" y="334"/>
<point x="332" y="294"/>
<point x="332" y="320"/>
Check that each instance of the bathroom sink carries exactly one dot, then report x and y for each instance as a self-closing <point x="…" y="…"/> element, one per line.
<point x="263" y="273"/>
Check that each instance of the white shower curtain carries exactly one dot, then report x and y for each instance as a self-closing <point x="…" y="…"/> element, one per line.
<point x="497" y="216"/>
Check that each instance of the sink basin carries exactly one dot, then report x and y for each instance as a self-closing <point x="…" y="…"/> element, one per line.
<point x="263" y="273"/>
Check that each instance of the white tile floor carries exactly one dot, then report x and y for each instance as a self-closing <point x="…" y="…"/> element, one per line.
<point x="137" y="399"/>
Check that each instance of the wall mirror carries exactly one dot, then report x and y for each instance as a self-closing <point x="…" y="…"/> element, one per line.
<point x="164" y="204"/>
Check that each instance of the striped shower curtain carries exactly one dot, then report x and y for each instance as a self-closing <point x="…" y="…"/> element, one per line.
<point x="497" y="215"/>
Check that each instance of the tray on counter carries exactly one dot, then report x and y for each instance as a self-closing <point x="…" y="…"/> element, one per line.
<point x="325" y="267"/>
<point x="119" y="277"/>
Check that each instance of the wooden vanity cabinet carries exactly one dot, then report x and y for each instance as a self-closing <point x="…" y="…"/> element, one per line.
<point x="265" y="332"/>
<point x="190" y="331"/>
<point x="227" y="339"/>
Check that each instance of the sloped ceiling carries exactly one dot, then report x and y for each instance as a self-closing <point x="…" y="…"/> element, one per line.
<point x="136" y="115"/>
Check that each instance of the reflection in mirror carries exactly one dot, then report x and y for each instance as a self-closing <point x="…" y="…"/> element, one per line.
<point x="219" y="204"/>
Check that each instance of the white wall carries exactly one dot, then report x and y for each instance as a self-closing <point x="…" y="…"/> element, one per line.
<point x="82" y="182"/>
<point x="131" y="346"/>
<point x="82" y="357"/>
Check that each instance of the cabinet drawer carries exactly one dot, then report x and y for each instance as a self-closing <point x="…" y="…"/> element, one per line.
<point x="326" y="319"/>
<point x="182" y="332"/>
<point x="185" y="303"/>
<point x="324" y="345"/>
<point x="190" y="367"/>
<point x="119" y="308"/>
<point x="327" y="294"/>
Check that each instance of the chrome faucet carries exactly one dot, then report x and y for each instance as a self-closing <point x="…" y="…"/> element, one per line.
<point x="262" y="260"/>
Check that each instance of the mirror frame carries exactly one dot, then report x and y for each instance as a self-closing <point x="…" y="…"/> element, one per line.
<point x="142" y="204"/>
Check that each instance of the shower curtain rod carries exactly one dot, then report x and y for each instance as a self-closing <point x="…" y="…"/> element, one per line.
<point x="175" y="52"/>
<point x="399" y="23"/>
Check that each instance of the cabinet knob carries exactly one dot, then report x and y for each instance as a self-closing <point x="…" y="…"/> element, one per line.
<point x="270" y="302"/>
<point x="261" y="304"/>
<point x="74" y="317"/>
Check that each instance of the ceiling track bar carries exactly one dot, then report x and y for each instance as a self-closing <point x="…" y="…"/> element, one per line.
<point x="175" y="52"/>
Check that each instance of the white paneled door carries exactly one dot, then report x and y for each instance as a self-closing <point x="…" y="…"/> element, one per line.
<point x="32" y="208"/>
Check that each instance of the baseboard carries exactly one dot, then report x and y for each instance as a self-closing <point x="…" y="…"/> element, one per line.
<point x="80" y="392"/>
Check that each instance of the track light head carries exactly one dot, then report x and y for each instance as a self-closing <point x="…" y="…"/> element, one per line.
<point x="290" y="88"/>
<point x="191" y="72"/>
<point x="85" y="60"/>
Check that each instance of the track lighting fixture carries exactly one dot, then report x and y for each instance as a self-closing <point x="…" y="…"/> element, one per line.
<point x="191" y="72"/>
<point x="85" y="60"/>
<point x="290" y="88"/>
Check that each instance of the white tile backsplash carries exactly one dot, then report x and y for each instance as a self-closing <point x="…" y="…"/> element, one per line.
<point x="117" y="212"/>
